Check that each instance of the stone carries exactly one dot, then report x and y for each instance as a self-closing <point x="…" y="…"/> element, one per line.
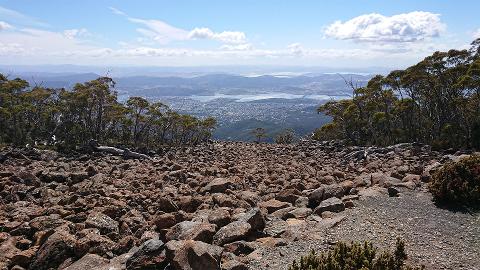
<point x="92" y="242"/>
<point x="237" y="230"/>
<point x="166" y="205"/>
<point x="239" y="247"/>
<point x="150" y="255"/>
<point x="89" y="261"/>
<point x="273" y="205"/>
<point x="393" y="192"/>
<point x="325" y="192"/>
<point x="190" y="230"/>
<point x="219" y="217"/>
<point x="298" y="213"/>
<point x="56" y="249"/>
<point x="255" y="218"/>
<point x="102" y="222"/>
<point x="218" y="185"/>
<point x="333" y="204"/>
<point x="193" y="255"/>
<point x="289" y="195"/>
<point x="164" y="221"/>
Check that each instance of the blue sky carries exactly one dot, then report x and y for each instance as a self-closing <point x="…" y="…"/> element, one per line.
<point x="340" y="33"/>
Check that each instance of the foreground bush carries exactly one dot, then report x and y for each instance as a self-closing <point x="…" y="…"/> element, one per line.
<point x="355" y="256"/>
<point x="458" y="182"/>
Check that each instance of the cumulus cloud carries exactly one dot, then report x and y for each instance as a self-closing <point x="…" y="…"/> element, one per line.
<point x="163" y="32"/>
<point x="73" y="33"/>
<point x="233" y="37"/>
<point x="5" y="26"/>
<point x="407" y="27"/>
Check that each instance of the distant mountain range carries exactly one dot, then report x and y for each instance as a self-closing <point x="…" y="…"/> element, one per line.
<point x="210" y="84"/>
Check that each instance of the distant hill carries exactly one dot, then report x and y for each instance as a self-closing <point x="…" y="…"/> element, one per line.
<point x="154" y="87"/>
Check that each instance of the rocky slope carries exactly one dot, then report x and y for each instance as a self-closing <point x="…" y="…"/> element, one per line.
<point x="224" y="206"/>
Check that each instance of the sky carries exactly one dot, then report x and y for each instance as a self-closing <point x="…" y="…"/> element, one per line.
<point x="334" y="33"/>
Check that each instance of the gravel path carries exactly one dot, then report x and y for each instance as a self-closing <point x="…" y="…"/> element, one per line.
<point x="437" y="238"/>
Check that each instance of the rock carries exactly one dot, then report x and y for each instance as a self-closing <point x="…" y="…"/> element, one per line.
<point x="189" y="204"/>
<point x="393" y="192"/>
<point x="189" y="230"/>
<point x="89" y="261"/>
<point x="218" y="185"/>
<point x="333" y="204"/>
<point x="193" y="255"/>
<point x="164" y="221"/>
<point x="166" y="205"/>
<point x="101" y="222"/>
<point x="234" y="265"/>
<point x="239" y="247"/>
<point x="150" y="255"/>
<point x="77" y="177"/>
<point x="282" y="213"/>
<point x="24" y="257"/>
<point x="50" y="176"/>
<point x="219" y="217"/>
<point x="325" y="192"/>
<point x="415" y="178"/>
<point x="288" y="195"/>
<point x="301" y="202"/>
<point x="273" y="205"/>
<point x="92" y="242"/>
<point x="298" y="213"/>
<point x="255" y="218"/>
<point x="56" y="249"/>
<point x="237" y="230"/>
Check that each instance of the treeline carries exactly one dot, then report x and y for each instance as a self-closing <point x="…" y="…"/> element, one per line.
<point x="436" y="101"/>
<point x="91" y="111"/>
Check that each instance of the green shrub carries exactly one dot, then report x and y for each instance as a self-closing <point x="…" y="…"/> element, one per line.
<point x="458" y="182"/>
<point x="354" y="256"/>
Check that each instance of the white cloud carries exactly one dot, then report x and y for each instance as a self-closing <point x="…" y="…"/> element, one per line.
<point x="19" y="18"/>
<point x="296" y="49"/>
<point x="160" y="31"/>
<point x="73" y="33"/>
<point x="5" y="26"/>
<point x="163" y="32"/>
<point x="232" y="37"/>
<point x="476" y="34"/>
<point x="407" y="27"/>
<point x="239" y="47"/>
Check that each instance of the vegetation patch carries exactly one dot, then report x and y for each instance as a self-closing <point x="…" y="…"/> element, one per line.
<point x="355" y="256"/>
<point x="458" y="183"/>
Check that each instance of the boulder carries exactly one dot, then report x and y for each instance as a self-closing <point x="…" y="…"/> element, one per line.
<point x="102" y="222"/>
<point x="56" y="249"/>
<point x="150" y="255"/>
<point x="237" y="230"/>
<point x="92" y="242"/>
<point x="218" y="185"/>
<point x="190" y="230"/>
<point x="255" y="218"/>
<point x="166" y="205"/>
<point x="273" y="205"/>
<point x="193" y="255"/>
<point x="164" y="221"/>
<point x="333" y="204"/>
<point x="289" y="195"/>
<point x="89" y="261"/>
<point x="325" y="192"/>
<point x="239" y="247"/>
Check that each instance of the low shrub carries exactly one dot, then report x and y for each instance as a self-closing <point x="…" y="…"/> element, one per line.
<point x="355" y="256"/>
<point x="457" y="183"/>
